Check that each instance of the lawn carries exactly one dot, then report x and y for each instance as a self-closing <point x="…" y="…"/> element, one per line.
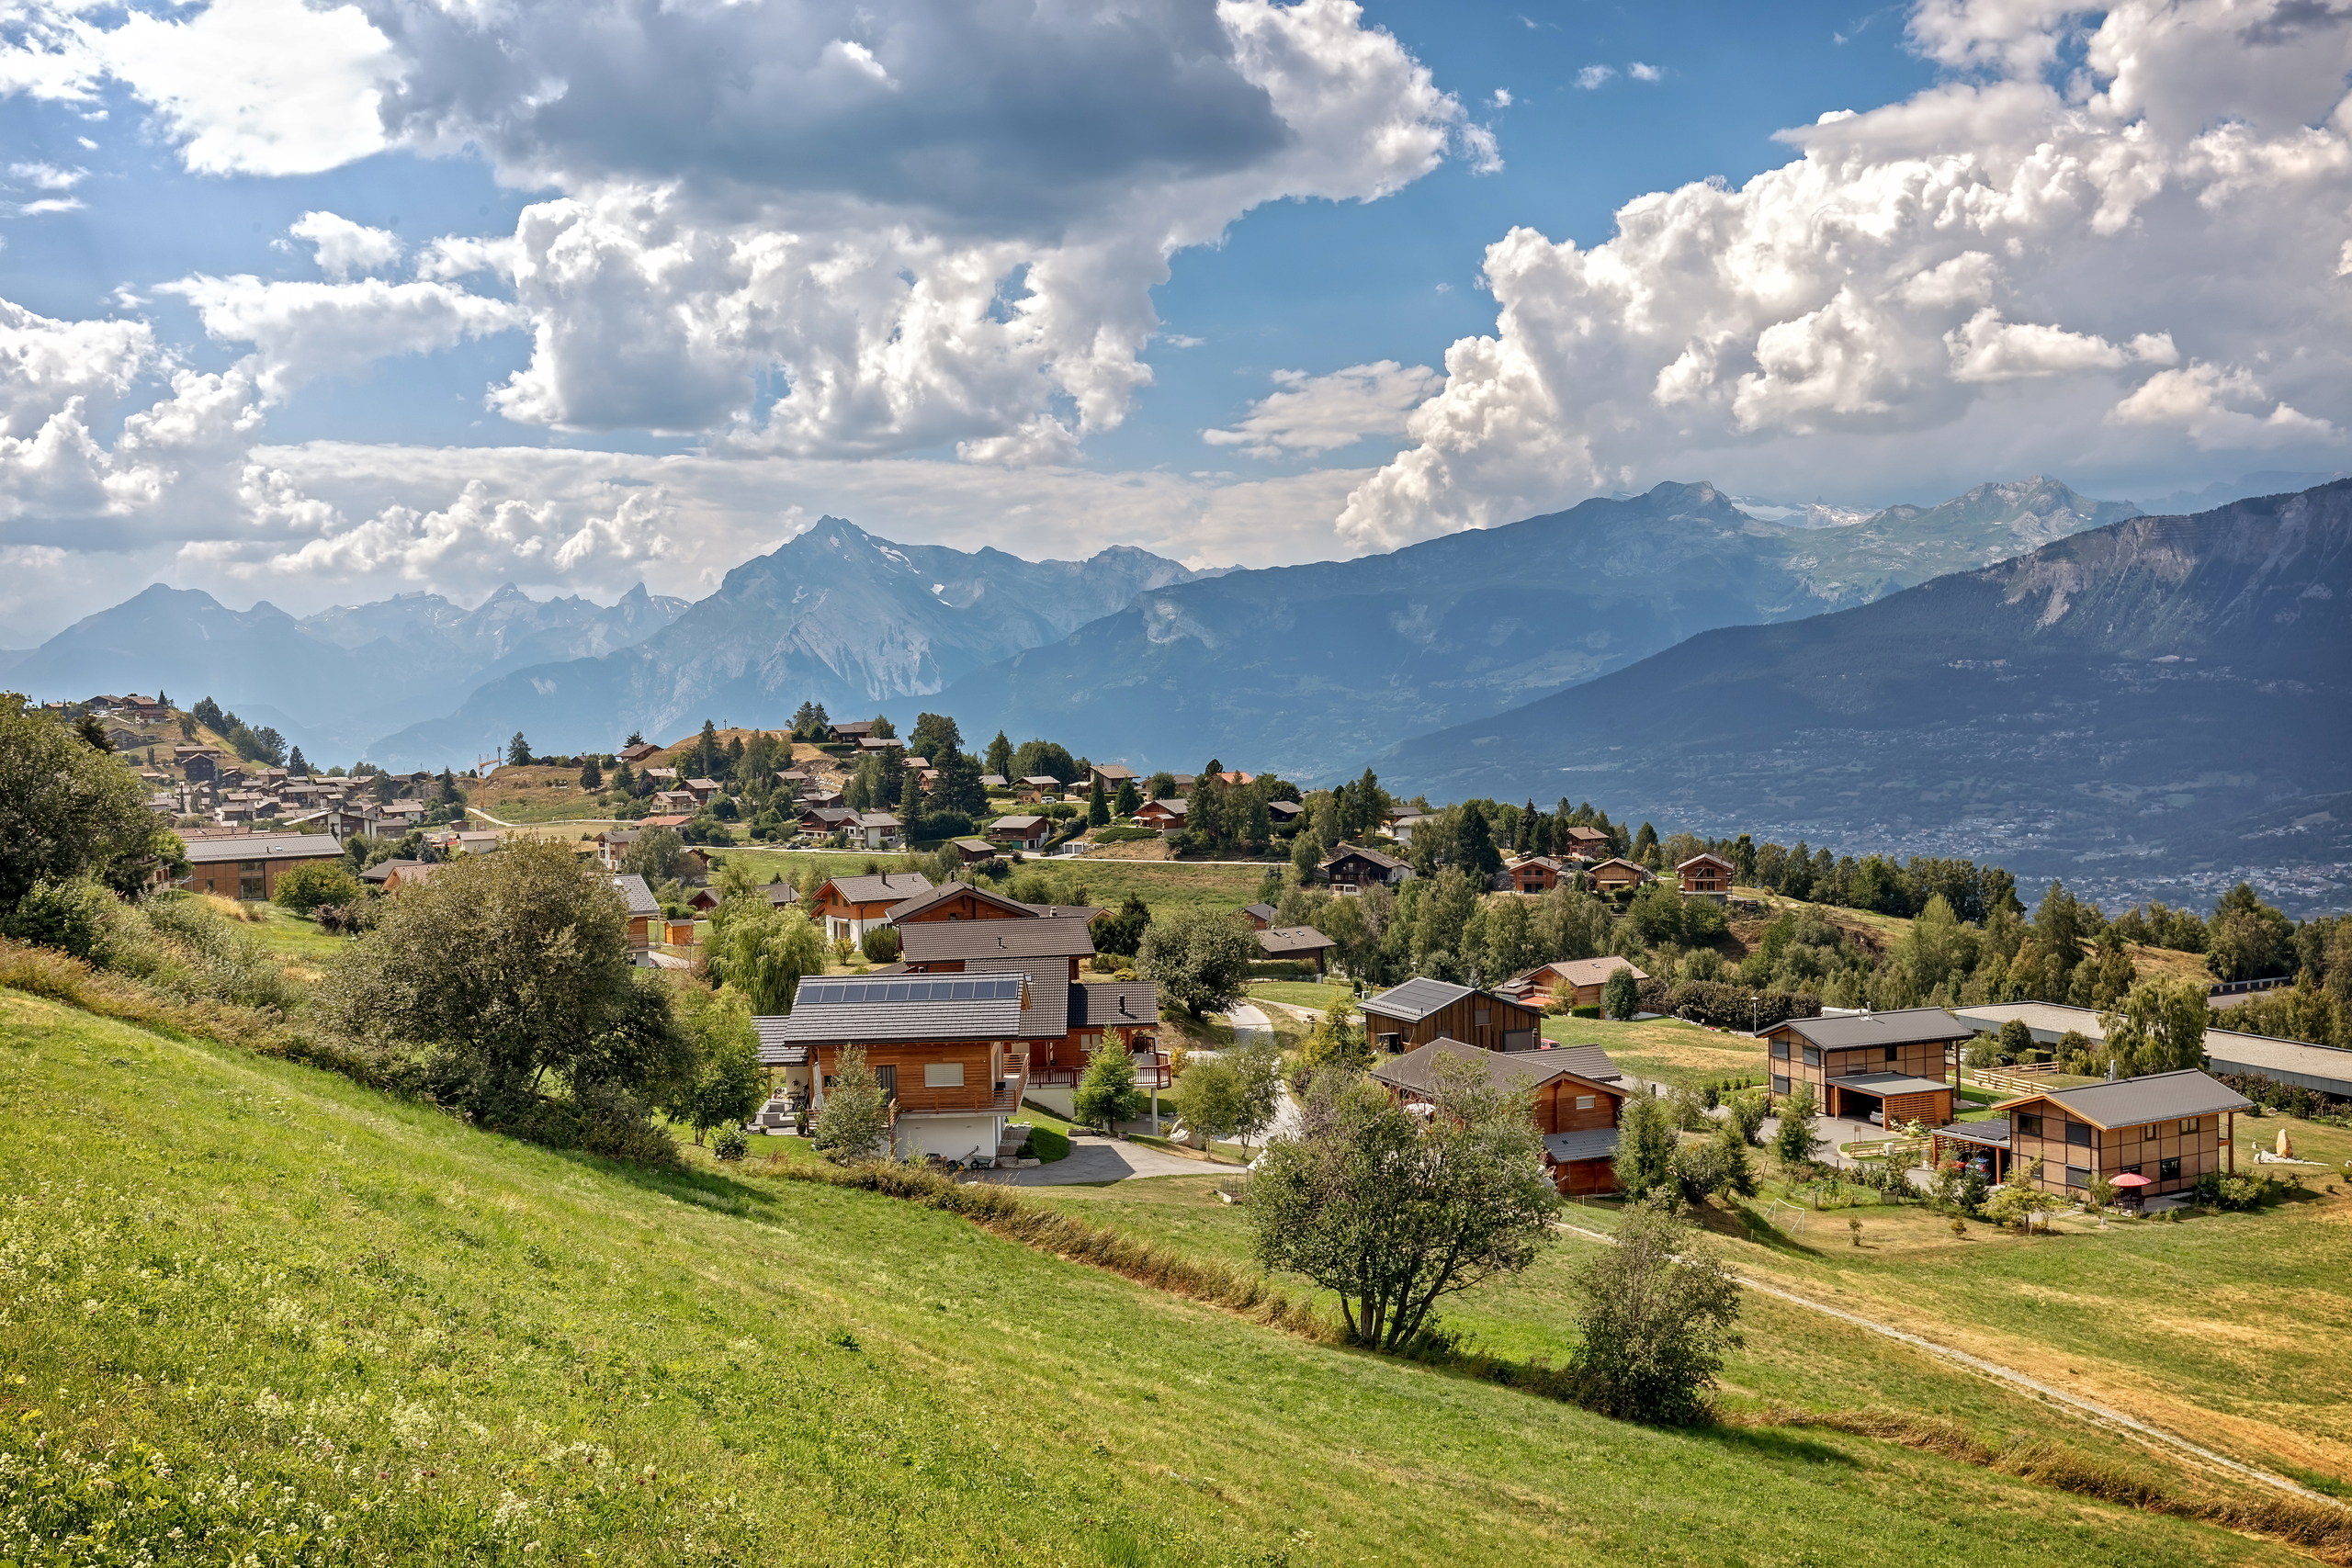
<point x="1298" y="993"/>
<point x="244" y="1296"/>
<point x="1669" y="1050"/>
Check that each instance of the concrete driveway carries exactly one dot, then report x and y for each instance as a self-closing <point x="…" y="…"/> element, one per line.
<point x="1093" y="1161"/>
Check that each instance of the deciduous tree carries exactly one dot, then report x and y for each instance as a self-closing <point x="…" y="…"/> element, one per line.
<point x="1199" y="958"/>
<point x="1393" y="1217"/>
<point x="1659" y="1315"/>
<point x="854" y="1123"/>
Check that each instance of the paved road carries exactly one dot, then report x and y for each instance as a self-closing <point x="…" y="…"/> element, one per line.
<point x="1105" y="1159"/>
<point x="1248" y="1019"/>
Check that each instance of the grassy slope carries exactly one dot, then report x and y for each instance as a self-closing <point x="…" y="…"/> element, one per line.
<point x="2232" y="1330"/>
<point x="453" y="1347"/>
<point x="1667" y="1050"/>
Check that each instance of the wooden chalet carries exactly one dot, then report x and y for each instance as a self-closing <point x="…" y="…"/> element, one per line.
<point x="633" y="754"/>
<point x="1259" y="916"/>
<point x="1064" y="1019"/>
<point x="1034" y="787"/>
<point x="823" y="821"/>
<point x="972" y="851"/>
<point x="948" y="1050"/>
<point x="1537" y="874"/>
<point x="995" y="781"/>
<point x="1585" y="843"/>
<point x="1616" y="875"/>
<point x="1020" y="832"/>
<point x="849" y="734"/>
<point x="960" y="902"/>
<point x="877" y="829"/>
<point x="1168" y="816"/>
<point x="1888" y="1068"/>
<point x="1422" y="1009"/>
<point x="1299" y="945"/>
<point x="1706" y="875"/>
<point x="2169" y="1127"/>
<point x="250" y="866"/>
<point x="849" y="907"/>
<point x="1577" y="1097"/>
<point x="1350" y="868"/>
<point x="1284" y="812"/>
<point x="1578" y="982"/>
<point x="1110" y="775"/>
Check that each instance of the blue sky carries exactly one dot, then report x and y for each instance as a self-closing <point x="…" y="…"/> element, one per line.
<point x="901" y="262"/>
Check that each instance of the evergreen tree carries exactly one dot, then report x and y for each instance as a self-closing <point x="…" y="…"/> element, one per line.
<point x="635" y="738"/>
<point x="883" y="728"/>
<point x="296" y="764"/>
<point x="518" y="751"/>
<point x="592" y="777"/>
<point x="1106" y="1094"/>
<point x="450" y="793"/>
<point x="935" y="738"/>
<point x="1128" y="802"/>
<point x="911" y="804"/>
<point x="1098" y="808"/>
<point x="1475" y="841"/>
<point x="855" y="1121"/>
<point x="1000" y="757"/>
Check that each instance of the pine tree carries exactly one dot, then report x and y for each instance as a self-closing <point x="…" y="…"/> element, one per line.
<point x="1098" y="808"/>
<point x="592" y="777"/>
<point x="518" y="751"/>
<point x="910" y="805"/>
<point x="1128" y="802"/>
<point x="296" y="765"/>
<point x="1000" y="756"/>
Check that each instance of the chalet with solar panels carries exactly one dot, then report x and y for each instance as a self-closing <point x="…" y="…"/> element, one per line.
<point x="1887" y="1068"/>
<point x="946" y="1050"/>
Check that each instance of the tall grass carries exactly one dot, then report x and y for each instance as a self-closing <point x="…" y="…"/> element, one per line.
<point x="2321" y="1528"/>
<point x="1003" y="1211"/>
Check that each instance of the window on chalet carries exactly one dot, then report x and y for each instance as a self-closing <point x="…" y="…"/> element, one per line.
<point x="2079" y="1133"/>
<point x="1584" y="1102"/>
<point x="2168" y="1169"/>
<point x="2189" y="1124"/>
<point x="1480" y="1015"/>
<point x="1812" y="1055"/>
<point x="2078" y="1176"/>
<point x="1890" y="1053"/>
<point x="943" y="1075"/>
<point x="2029" y="1125"/>
<point x="1779" y="1084"/>
<point x="1780" y="1050"/>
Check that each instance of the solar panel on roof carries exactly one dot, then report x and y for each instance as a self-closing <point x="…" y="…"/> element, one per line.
<point x="958" y="989"/>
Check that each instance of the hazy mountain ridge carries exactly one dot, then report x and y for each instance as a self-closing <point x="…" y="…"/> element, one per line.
<point x="1311" y="669"/>
<point x="2139" y="707"/>
<point x="329" y="680"/>
<point x="836" y="615"/>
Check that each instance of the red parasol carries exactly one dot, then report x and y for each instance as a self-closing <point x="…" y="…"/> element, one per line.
<point x="2129" y="1179"/>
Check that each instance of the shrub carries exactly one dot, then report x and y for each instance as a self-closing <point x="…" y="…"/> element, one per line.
<point x="730" y="1145"/>
<point x="1658" y="1315"/>
<point x="1620" y="993"/>
<point x="880" y="944"/>
<point x="306" y="888"/>
<point x="1726" y="1005"/>
<point x="1590" y="1010"/>
<point x="76" y="916"/>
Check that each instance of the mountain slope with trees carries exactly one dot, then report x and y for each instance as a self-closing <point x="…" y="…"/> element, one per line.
<point x="1310" y="670"/>
<point x="2138" y="708"/>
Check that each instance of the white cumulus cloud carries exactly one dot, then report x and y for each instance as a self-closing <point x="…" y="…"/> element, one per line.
<point x="1986" y="267"/>
<point x="344" y="247"/>
<point x="1314" y="414"/>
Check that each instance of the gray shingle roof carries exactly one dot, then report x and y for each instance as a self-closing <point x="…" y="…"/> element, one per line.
<point x="1416" y="999"/>
<point x="774" y="1050"/>
<point x="1114" y="1004"/>
<point x="1415" y="1070"/>
<point x="2159" y="1097"/>
<point x="888" y="887"/>
<point x="1386" y="863"/>
<point x="1262" y="911"/>
<point x="904" y="1007"/>
<point x="1906" y="1026"/>
<point x="1884" y="1084"/>
<point x="1279" y="940"/>
<point x="1047" y="1015"/>
<point x="638" y="896"/>
<point x="2322" y="1068"/>
<point x="1593" y="1143"/>
<point x="1993" y="1133"/>
<point x="1585" y="1061"/>
<point x="258" y="846"/>
<point x="934" y="941"/>
<point x="947" y="890"/>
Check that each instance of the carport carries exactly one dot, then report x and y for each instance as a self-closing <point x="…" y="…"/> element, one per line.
<point x="1888" y="1099"/>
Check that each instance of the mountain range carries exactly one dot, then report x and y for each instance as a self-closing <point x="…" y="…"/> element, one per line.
<point x="333" y="682"/>
<point x="1312" y="669"/>
<point x="834" y="615"/>
<point x="2162" y="704"/>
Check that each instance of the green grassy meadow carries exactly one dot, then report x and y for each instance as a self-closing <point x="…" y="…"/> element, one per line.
<point x="1668" y="1050"/>
<point x="252" y="1312"/>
